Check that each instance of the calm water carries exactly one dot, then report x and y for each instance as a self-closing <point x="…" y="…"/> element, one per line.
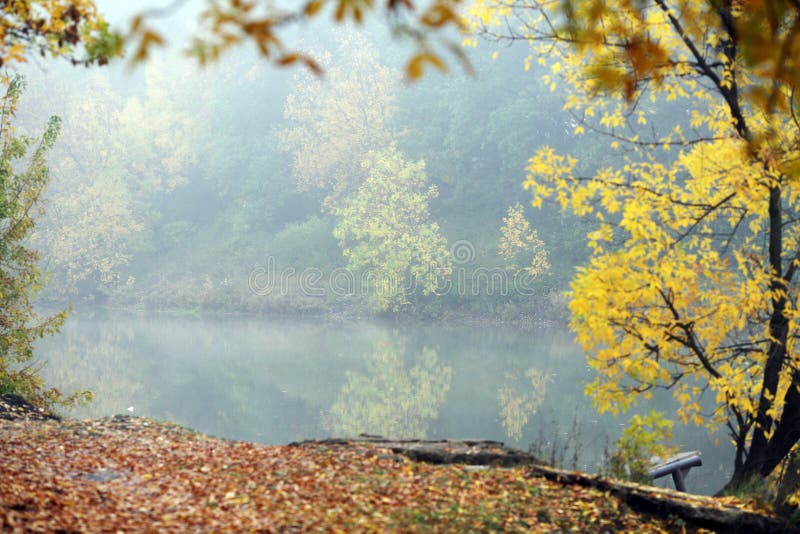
<point x="281" y="380"/>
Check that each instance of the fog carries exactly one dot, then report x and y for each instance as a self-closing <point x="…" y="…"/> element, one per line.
<point x="288" y="223"/>
<point x="171" y="183"/>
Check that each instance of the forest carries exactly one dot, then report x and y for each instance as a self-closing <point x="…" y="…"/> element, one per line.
<point x="458" y="217"/>
<point x="203" y="191"/>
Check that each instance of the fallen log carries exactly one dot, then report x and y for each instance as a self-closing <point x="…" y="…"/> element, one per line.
<point x="696" y="510"/>
<point x="466" y="452"/>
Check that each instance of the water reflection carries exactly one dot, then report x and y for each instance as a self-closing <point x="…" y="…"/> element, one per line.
<point x="519" y="402"/>
<point x="101" y="360"/>
<point x="277" y="381"/>
<point x="390" y="399"/>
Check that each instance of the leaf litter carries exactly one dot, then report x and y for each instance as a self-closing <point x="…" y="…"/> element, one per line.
<point x="131" y="474"/>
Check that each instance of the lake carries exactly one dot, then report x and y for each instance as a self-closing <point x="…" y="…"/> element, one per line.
<point x="278" y="380"/>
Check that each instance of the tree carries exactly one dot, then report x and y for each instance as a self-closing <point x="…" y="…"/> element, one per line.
<point x="114" y="161"/>
<point x="87" y="236"/>
<point x="75" y="30"/>
<point x="385" y="228"/>
<point x="23" y="177"/>
<point x="71" y="29"/>
<point x="646" y="437"/>
<point x="691" y="285"/>
<point x="520" y="243"/>
<point x="339" y="119"/>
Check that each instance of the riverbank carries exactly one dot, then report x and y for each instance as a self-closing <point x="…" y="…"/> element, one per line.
<point x="131" y="473"/>
<point x="519" y="321"/>
<point x="542" y="310"/>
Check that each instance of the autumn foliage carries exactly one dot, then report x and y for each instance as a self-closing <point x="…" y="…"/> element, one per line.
<point x="23" y="177"/>
<point x="127" y="473"/>
<point x="430" y="27"/>
<point x="55" y="28"/>
<point x="692" y="282"/>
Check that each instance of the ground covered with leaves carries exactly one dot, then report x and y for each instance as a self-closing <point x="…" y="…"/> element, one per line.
<point x="130" y="473"/>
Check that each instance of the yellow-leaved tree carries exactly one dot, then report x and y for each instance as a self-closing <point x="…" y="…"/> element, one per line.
<point x="71" y="29"/>
<point x="335" y="122"/>
<point x="387" y="235"/>
<point x="519" y="243"/>
<point x="692" y="283"/>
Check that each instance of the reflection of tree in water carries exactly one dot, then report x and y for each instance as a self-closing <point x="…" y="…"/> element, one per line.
<point x="389" y="399"/>
<point x="519" y="403"/>
<point x="100" y="361"/>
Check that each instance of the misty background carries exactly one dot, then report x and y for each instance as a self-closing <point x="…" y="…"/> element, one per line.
<point x="170" y="183"/>
<point x="242" y="189"/>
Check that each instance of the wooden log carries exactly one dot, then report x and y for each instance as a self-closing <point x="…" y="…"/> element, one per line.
<point x="696" y="510"/>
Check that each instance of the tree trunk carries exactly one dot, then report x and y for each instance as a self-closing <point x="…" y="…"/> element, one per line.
<point x="789" y="484"/>
<point x="772" y="439"/>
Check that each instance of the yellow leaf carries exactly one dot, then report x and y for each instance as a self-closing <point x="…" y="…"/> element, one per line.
<point x="414" y="69"/>
<point x="313" y="7"/>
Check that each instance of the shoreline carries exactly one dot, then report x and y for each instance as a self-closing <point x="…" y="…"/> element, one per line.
<point x="133" y="473"/>
<point x="525" y="322"/>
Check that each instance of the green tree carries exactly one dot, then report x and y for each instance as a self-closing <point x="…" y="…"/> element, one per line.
<point x="23" y="177"/>
<point x="385" y="228"/>
<point x="646" y="437"/>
